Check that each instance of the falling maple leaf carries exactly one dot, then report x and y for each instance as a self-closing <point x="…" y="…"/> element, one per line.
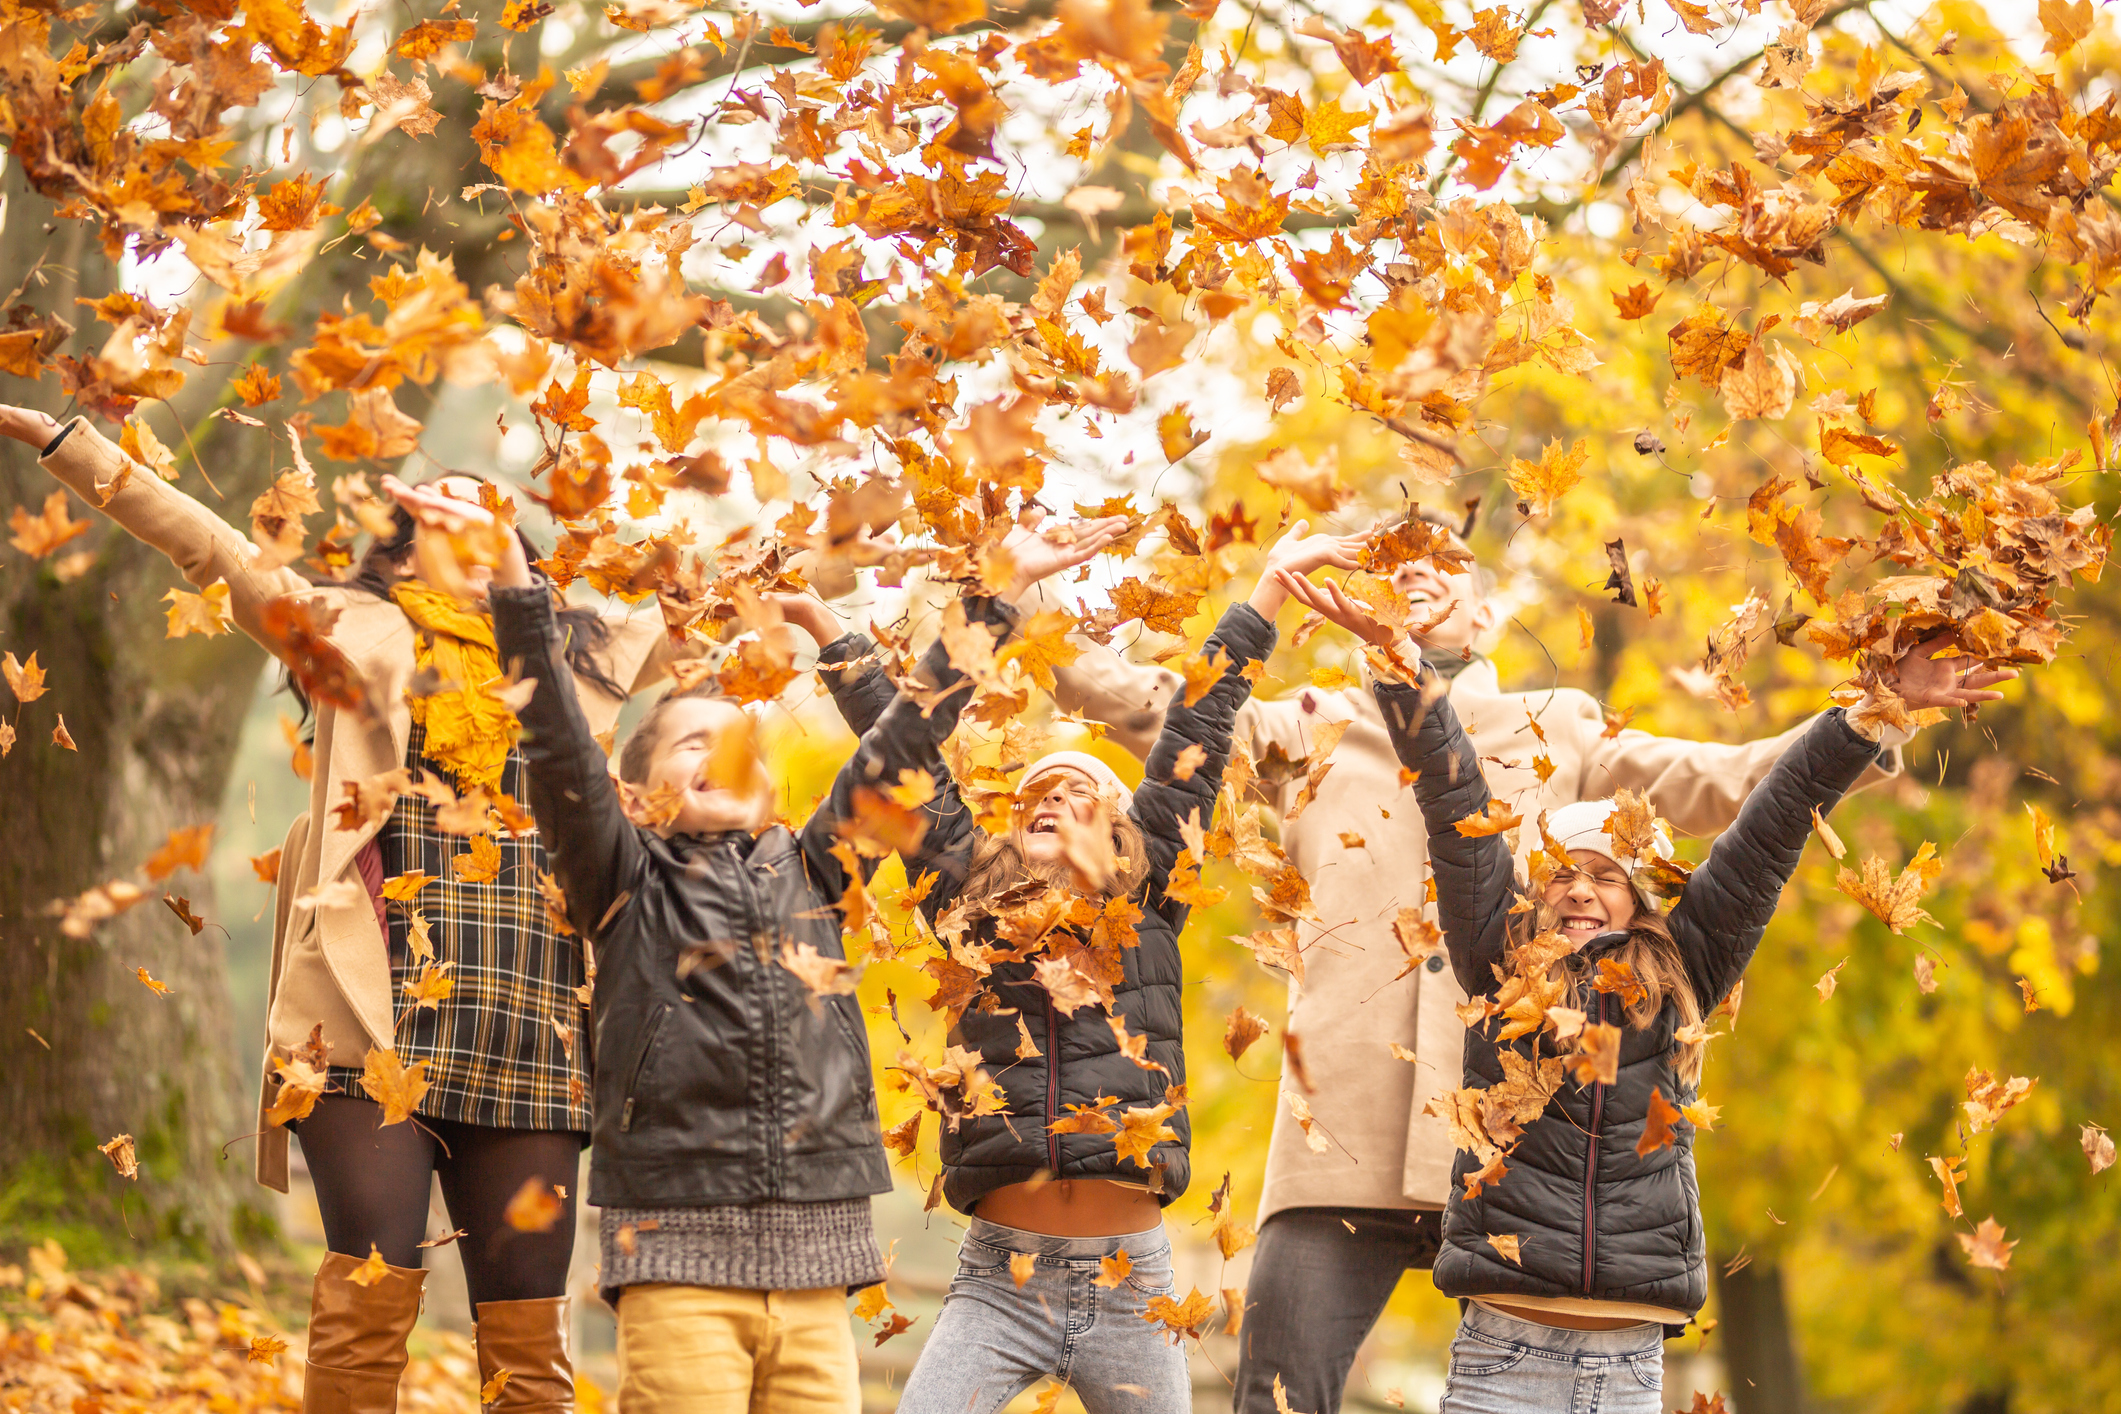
<point x="1657" y="1124"/>
<point x="1540" y="484"/>
<point x="534" y="1208"/>
<point x="1985" y="1247"/>
<point x="25" y="680"/>
<point x="371" y="1270"/>
<point x="38" y="535"/>
<point x="397" y="1087"/>
<point x="1508" y="1245"/>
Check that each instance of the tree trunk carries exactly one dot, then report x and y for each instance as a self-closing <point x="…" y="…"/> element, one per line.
<point x="1759" y="1353"/>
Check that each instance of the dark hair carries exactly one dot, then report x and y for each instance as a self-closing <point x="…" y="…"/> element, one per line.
<point x="586" y="632"/>
<point x="638" y="753"/>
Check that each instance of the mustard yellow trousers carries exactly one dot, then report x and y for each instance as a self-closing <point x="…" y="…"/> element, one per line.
<point x="719" y="1350"/>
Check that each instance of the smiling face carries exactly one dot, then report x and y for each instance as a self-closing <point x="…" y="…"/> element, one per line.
<point x="1429" y="589"/>
<point x="704" y="751"/>
<point x="1060" y="793"/>
<point x="1592" y="898"/>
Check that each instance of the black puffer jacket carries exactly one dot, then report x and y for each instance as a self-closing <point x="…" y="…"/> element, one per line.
<point x="732" y="1083"/>
<point x="1593" y="1218"/>
<point x="1079" y="1060"/>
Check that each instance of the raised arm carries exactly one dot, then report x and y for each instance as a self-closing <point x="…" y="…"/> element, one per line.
<point x="1244" y="637"/>
<point x="1476" y="880"/>
<point x="905" y="737"/>
<point x="1719" y="920"/>
<point x="1132" y="698"/>
<point x="596" y="851"/>
<point x="202" y="545"/>
<point x="1698" y="785"/>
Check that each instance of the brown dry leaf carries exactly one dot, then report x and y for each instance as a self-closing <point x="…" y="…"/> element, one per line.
<point x="1596" y="1060"/>
<point x="823" y="976"/>
<point x="1896" y="901"/>
<point x="121" y="1155"/>
<point x="1240" y="1031"/>
<point x="1491" y="821"/>
<point x="2098" y="1147"/>
<point x="38" y="535"/>
<point x="372" y="1270"/>
<point x="534" y="1208"/>
<point x="1657" y="1124"/>
<point x="160" y="989"/>
<point x="1021" y="1267"/>
<point x="1825" y="985"/>
<point x="185" y="848"/>
<point x="1508" y="1245"/>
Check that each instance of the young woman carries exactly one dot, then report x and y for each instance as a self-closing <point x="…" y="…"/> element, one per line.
<point x="506" y="1057"/>
<point x="1077" y="1026"/>
<point x="1584" y="1248"/>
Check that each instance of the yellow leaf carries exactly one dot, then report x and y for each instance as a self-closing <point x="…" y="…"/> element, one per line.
<point x="371" y="1271"/>
<point x="1508" y="1245"/>
<point x="204" y="613"/>
<point x="534" y="1208"/>
<point x="1113" y="1270"/>
<point x="1329" y="128"/>
<point x="1539" y="486"/>
<point x="482" y="865"/>
<point x="397" y="1087"/>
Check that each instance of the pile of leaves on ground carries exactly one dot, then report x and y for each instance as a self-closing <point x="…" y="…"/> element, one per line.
<point x="74" y="1342"/>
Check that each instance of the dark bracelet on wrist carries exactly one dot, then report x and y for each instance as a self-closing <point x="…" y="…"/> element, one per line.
<point x="53" y="445"/>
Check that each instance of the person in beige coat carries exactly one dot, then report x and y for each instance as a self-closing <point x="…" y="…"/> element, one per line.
<point x="1344" y="1214"/>
<point x="506" y="1105"/>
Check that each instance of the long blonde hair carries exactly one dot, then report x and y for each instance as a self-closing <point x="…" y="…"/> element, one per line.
<point x="1650" y="953"/>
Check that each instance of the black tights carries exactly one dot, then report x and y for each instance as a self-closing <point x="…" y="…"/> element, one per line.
<point x="372" y="1186"/>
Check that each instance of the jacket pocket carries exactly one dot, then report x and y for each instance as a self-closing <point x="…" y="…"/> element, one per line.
<point x="640" y="1066"/>
<point x="851" y="1031"/>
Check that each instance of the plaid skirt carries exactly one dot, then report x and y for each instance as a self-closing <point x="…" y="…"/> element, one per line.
<point x="509" y="1047"/>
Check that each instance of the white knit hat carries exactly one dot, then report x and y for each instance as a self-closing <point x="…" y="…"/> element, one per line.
<point x="1582" y="826"/>
<point x="1104" y="776"/>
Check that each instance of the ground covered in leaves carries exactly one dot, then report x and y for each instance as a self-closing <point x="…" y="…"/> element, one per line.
<point x="116" y="1342"/>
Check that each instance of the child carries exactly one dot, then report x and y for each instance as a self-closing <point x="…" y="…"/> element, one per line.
<point x="1077" y="1035"/>
<point x="736" y="1143"/>
<point x="1580" y="1247"/>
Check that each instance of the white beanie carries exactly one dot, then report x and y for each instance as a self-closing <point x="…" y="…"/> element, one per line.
<point x="1083" y="761"/>
<point x="1582" y="826"/>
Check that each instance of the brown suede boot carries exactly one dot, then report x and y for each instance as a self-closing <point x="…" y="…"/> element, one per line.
<point x="528" y="1339"/>
<point x="357" y="1338"/>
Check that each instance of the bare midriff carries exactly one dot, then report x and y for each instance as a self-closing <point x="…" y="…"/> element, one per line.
<point x="1565" y="1320"/>
<point x="1073" y="1207"/>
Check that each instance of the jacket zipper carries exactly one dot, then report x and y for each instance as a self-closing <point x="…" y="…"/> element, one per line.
<point x="640" y="1067"/>
<point x="1052" y="1087"/>
<point x="770" y="1030"/>
<point x="1590" y="1175"/>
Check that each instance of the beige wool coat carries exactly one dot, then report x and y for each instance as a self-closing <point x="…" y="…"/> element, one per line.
<point x="330" y="962"/>
<point x="1352" y="1006"/>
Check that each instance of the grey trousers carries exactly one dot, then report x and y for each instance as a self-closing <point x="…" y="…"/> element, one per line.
<point x="1316" y="1289"/>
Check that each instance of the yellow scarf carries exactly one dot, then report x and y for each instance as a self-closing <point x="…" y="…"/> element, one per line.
<point x="469" y="731"/>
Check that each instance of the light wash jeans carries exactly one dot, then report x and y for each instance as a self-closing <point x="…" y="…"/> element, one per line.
<point x="1501" y="1365"/>
<point x="994" y="1339"/>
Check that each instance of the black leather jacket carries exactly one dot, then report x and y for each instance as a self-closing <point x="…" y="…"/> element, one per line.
<point x="733" y="1083"/>
<point x="1079" y="1060"/>
<point x="1592" y="1217"/>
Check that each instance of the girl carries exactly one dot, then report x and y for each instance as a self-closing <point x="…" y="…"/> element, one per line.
<point x="1076" y="1032"/>
<point x="508" y="1101"/>
<point x="1579" y="1246"/>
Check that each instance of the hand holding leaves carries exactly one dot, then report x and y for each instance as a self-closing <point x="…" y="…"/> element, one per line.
<point x="1038" y="553"/>
<point x="1927" y="680"/>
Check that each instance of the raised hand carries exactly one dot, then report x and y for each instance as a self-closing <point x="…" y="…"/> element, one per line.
<point x="1042" y="551"/>
<point x="27" y="426"/>
<point x="808" y="613"/>
<point x="1299" y="552"/>
<point x="1929" y="681"/>
<point x="430" y="506"/>
<point x="1335" y="606"/>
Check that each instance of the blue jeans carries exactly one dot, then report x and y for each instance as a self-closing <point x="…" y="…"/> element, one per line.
<point x="994" y="1339"/>
<point x="1501" y="1365"/>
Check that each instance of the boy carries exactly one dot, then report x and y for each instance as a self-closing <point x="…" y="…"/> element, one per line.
<point x="736" y="1140"/>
